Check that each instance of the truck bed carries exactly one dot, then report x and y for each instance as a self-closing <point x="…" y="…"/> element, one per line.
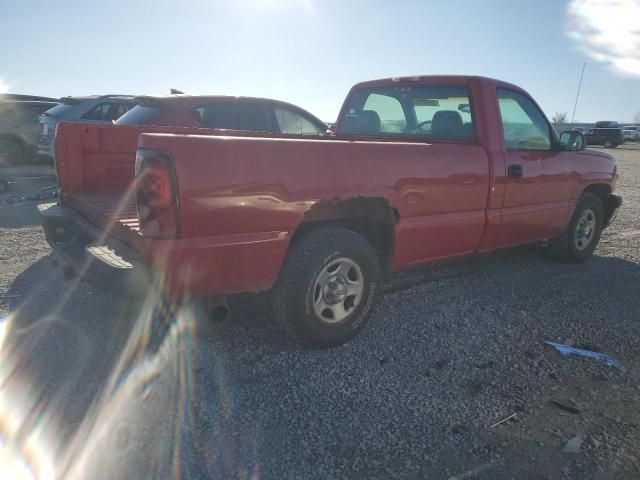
<point x="114" y="211"/>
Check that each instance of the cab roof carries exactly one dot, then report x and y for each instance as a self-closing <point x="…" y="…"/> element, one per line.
<point x="434" y="79"/>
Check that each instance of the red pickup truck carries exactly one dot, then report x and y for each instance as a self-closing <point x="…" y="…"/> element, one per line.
<point x="419" y="169"/>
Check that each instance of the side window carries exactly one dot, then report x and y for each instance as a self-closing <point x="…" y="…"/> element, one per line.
<point x="442" y="112"/>
<point x="99" y="112"/>
<point x="120" y="110"/>
<point x="290" y="121"/>
<point x="523" y="124"/>
<point x="232" y="114"/>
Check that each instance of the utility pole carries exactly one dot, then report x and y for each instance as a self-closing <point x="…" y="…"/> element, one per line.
<point x="584" y="65"/>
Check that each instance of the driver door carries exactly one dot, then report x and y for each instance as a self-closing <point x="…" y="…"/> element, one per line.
<point x="539" y="177"/>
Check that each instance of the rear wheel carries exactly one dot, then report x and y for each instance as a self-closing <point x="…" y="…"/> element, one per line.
<point x="327" y="285"/>
<point x="581" y="237"/>
<point x="11" y="152"/>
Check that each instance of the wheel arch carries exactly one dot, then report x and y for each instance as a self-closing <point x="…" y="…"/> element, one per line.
<point x="601" y="190"/>
<point x="372" y="217"/>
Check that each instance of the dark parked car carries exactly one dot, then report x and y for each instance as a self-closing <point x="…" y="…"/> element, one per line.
<point x="607" y="124"/>
<point x="609" y="137"/>
<point x="92" y="109"/>
<point x="221" y="112"/>
<point x="19" y="126"/>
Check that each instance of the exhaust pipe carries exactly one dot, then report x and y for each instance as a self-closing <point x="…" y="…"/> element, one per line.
<point x="217" y="308"/>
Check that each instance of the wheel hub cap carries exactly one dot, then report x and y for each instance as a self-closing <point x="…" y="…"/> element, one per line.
<point x="338" y="290"/>
<point x="335" y="290"/>
<point x="585" y="230"/>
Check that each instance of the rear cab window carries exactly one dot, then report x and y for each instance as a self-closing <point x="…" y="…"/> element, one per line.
<point x="415" y="111"/>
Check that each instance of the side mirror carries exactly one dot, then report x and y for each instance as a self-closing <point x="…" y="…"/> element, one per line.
<point x="572" y="140"/>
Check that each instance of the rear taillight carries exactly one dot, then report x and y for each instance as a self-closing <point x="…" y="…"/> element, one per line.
<point x="156" y="194"/>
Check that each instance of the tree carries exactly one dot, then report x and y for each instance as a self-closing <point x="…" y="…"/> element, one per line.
<point x="559" y="118"/>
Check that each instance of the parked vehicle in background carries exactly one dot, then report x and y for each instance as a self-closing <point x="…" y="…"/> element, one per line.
<point x="91" y="109"/>
<point x="607" y="124"/>
<point x="222" y="112"/>
<point x="420" y="168"/>
<point x="19" y="127"/>
<point x="608" y="137"/>
<point x="31" y="98"/>
<point x="631" y="132"/>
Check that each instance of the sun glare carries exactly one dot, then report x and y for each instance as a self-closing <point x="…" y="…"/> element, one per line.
<point x="4" y="87"/>
<point x="607" y="31"/>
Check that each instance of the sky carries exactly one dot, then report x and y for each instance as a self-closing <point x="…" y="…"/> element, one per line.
<point x="310" y="52"/>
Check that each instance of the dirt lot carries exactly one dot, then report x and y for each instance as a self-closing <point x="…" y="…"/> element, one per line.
<point x="101" y="386"/>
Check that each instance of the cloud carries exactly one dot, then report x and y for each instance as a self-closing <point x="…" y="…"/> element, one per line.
<point x="608" y="31"/>
<point x="4" y="87"/>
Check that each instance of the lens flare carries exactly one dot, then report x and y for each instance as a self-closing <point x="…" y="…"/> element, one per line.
<point x="608" y="31"/>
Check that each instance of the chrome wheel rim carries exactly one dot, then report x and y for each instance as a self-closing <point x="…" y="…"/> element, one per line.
<point x="338" y="290"/>
<point x="585" y="230"/>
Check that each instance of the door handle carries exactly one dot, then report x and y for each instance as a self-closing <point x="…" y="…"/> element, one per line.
<point x="515" y="171"/>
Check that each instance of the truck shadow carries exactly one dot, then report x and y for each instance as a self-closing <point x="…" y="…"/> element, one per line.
<point x="62" y="339"/>
<point x="18" y="203"/>
<point x="67" y="362"/>
<point x="18" y="213"/>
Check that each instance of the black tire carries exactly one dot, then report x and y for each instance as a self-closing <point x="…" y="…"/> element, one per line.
<point x="11" y="151"/>
<point x="566" y="247"/>
<point x="294" y="292"/>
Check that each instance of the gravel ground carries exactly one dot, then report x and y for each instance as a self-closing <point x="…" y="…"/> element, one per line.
<point x="451" y="349"/>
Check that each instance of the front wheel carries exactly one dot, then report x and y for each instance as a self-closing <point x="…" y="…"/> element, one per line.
<point x="327" y="286"/>
<point x="581" y="237"/>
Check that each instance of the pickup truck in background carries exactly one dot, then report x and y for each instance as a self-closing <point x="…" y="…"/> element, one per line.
<point x="419" y="169"/>
<point x="607" y="137"/>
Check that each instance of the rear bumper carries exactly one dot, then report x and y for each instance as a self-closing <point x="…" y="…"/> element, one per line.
<point x="201" y="266"/>
<point x="101" y="259"/>
<point x="611" y="206"/>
